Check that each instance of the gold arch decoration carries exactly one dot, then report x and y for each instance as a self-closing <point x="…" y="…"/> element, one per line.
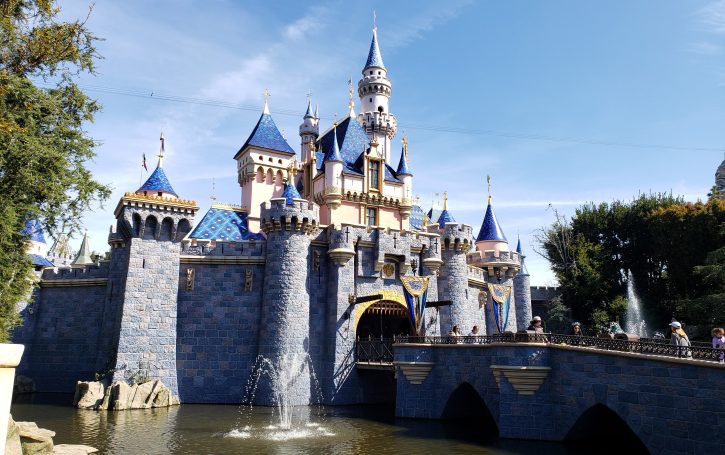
<point x="388" y="296"/>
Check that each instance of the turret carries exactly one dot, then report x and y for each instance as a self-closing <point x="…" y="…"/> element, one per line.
<point x="374" y="90"/>
<point x="84" y="253"/>
<point x="144" y="278"/>
<point x="406" y="176"/>
<point x="262" y="163"/>
<point x="289" y="224"/>
<point x="309" y="131"/>
<point x="522" y="292"/>
<point x="333" y="174"/>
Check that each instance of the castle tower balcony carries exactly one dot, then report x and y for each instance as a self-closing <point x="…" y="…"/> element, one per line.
<point x="504" y="265"/>
<point x="381" y="122"/>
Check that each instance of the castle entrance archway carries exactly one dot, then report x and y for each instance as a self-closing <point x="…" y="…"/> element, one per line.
<point x="382" y="320"/>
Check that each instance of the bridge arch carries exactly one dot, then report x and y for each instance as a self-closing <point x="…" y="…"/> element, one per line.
<point x="599" y="425"/>
<point x="466" y="404"/>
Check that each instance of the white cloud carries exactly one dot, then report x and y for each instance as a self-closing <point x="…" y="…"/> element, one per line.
<point x="712" y="16"/>
<point x="424" y="20"/>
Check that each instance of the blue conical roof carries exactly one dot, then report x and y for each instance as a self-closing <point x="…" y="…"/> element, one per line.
<point x="266" y="135"/>
<point x="34" y="230"/>
<point x="375" y="58"/>
<point x="309" y="109"/>
<point x="444" y="218"/>
<point x="333" y="153"/>
<point x="524" y="270"/>
<point x="490" y="230"/>
<point x="158" y="182"/>
<point x="403" y="168"/>
<point x="518" y="247"/>
<point x="290" y="193"/>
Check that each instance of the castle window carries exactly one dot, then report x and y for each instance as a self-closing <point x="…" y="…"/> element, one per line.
<point x="371" y="100"/>
<point x="371" y="216"/>
<point x="374" y="174"/>
<point x="378" y="72"/>
<point x="371" y="72"/>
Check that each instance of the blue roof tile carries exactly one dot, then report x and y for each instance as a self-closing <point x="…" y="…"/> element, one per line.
<point x="352" y="141"/>
<point x="375" y="58"/>
<point x="417" y="218"/>
<point x="40" y="261"/>
<point x="223" y="224"/>
<point x="333" y="152"/>
<point x="34" y="230"/>
<point x="490" y="229"/>
<point x="158" y="182"/>
<point x="266" y="135"/>
<point x="403" y="168"/>
<point x="290" y="193"/>
<point x="444" y="218"/>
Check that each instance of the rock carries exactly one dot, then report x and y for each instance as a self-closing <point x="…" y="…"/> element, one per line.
<point x="23" y="384"/>
<point x="89" y="395"/>
<point x="121" y="394"/>
<point x="34" y="440"/>
<point x="162" y="398"/>
<point x="173" y="401"/>
<point x="73" y="449"/>
<point x="12" y="443"/>
<point x="141" y="395"/>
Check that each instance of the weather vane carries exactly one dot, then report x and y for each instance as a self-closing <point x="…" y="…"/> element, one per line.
<point x="161" y="149"/>
<point x="445" y="200"/>
<point x="351" y="103"/>
<point x="488" y="180"/>
<point x="405" y="144"/>
<point x="375" y="25"/>
<point x="213" y="190"/>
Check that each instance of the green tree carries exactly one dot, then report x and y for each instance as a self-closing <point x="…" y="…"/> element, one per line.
<point x="43" y="146"/>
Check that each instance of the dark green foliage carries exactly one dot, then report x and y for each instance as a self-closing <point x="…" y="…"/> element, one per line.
<point x="664" y="242"/>
<point x="43" y="147"/>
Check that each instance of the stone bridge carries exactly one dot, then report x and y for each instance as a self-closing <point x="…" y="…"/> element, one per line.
<point x="631" y="402"/>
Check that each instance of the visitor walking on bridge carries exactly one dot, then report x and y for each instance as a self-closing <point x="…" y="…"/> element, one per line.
<point x="718" y="341"/>
<point x="679" y="338"/>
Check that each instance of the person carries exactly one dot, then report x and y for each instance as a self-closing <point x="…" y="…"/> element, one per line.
<point x="535" y="325"/>
<point x="576" y="329"/>
<point x="454" y="334"/>
<point x="679" y="338"/>
<point x="474" y="331"/>
<point x="718" y="341"/>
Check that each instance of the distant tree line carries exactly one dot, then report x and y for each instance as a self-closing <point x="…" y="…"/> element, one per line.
<point x="674" y="249"/>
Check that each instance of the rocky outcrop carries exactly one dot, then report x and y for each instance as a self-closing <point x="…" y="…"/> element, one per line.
<point x="120" y="395"/>
<point x="26" y="438"/>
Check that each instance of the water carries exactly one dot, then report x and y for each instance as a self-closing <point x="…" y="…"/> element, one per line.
<point x="285" y="378"/>
<point x="222" y="429"/>
<point x="634" y="322"/>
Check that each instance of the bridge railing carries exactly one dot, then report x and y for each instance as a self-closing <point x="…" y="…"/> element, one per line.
<point x="647" y="347"/>
<point x="374" y="350"/>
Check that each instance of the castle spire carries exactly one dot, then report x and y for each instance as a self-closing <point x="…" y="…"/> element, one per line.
<point x="333" y="153"/>
<point x="308" y="113"/>
<point x="161" y="151"/>
<point x="490" y="229"/>
<point x="403" y="168"/>
<point x="84" y="253"/>
<point x="445" y="217"/>
<point x="265" y="110"/>
<point x="158" y="184"/>
<point x="375" y="58"/>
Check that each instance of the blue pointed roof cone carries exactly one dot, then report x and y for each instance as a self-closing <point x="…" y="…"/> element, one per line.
<point x="490" y="229"/>
<point x="309" y="110"/>
<point x="518" y="247"/>
<point x="444" y="218"/>
<point x="290" y="193"/>
<point x="375" y="58"/>
<point x="520" y="251"/>
<point x="266" y="135"/>
<point x="333" y="153"/>
<point x="158" y="182"/>
<point x="403" y="168"/>
<point x="34" y="230"/>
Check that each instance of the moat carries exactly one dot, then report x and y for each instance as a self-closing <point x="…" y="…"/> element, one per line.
<point x="220" y="429"/>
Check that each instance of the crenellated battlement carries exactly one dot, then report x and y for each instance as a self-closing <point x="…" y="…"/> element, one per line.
<point x="455" y="236"/>
<point x="93" y="271"/>
<point x="301" y="215"/>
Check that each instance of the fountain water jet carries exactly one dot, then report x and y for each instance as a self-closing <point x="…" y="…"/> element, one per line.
<point x="634" y="322"/>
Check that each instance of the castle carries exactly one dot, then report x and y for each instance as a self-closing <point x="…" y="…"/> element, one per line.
<point x="323" y="250"/>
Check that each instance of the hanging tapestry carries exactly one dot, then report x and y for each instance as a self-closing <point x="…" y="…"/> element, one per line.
<point x="415" y="290"/>
<point x="501" y="299"/>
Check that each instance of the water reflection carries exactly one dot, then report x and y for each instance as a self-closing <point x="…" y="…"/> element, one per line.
<point x="220" y="429"/>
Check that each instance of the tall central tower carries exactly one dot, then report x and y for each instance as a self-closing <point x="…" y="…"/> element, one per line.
<point x="374" y="90"/>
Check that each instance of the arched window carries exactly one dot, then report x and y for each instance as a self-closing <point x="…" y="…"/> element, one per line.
<point x="136" y="224"/>
<point x="380" y="109"/>
<point x="149" y="230"/>
<point x="167" y="226"/>
<point x="183" y="229"/>
<point x="260" y="175"/>
<point x="270" y="177"/>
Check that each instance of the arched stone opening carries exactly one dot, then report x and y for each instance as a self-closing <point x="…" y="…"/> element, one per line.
<point x="598" y="427"/>
<point x="470" y="413"/>
<point x="183" y="229"/>
<point x="150" y="225"/>
<point x="136" y="224"/>
<point x="167" y="227"/>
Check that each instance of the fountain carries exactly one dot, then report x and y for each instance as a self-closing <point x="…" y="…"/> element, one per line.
<point x="293" y="412"/>
<point x="634" y="322"/>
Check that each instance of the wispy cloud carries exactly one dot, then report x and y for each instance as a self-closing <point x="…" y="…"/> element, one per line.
<point x="424" y="20"/>
<point x="712" y="16"/>
<point x="705" y="48"/>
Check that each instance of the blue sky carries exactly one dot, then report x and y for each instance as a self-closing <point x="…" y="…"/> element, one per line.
<point x="540" y="95"/>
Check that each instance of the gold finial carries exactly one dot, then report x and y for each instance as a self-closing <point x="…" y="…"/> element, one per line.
<point x="405" y="144"/>
<point x="161" y="150"/>
<point x="488" y="180"/>
<point x="213" y="190"/>
<point x="445" y="200"/>
<point x="292" y="170"/>
<point x="351" y="103"/>
<point x="266" y="101"/>
<point x="312" y="147"/>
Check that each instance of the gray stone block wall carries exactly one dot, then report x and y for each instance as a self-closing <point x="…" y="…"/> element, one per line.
<point x="147" y="335"/>
<point x="453" y="280"/>
<point x="522" y="293"/>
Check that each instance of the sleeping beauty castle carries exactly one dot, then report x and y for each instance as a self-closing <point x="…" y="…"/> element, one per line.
<point x="326" y="248"/>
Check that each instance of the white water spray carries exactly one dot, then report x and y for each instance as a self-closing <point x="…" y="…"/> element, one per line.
<point x="634" y="322"/>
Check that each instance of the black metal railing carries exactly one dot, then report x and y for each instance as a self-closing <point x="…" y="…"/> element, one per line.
<point x="374" y="350"/>
<point x="699" y="351"/>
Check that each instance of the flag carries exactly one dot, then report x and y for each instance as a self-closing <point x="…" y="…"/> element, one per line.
<point x="144" y="162"/>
